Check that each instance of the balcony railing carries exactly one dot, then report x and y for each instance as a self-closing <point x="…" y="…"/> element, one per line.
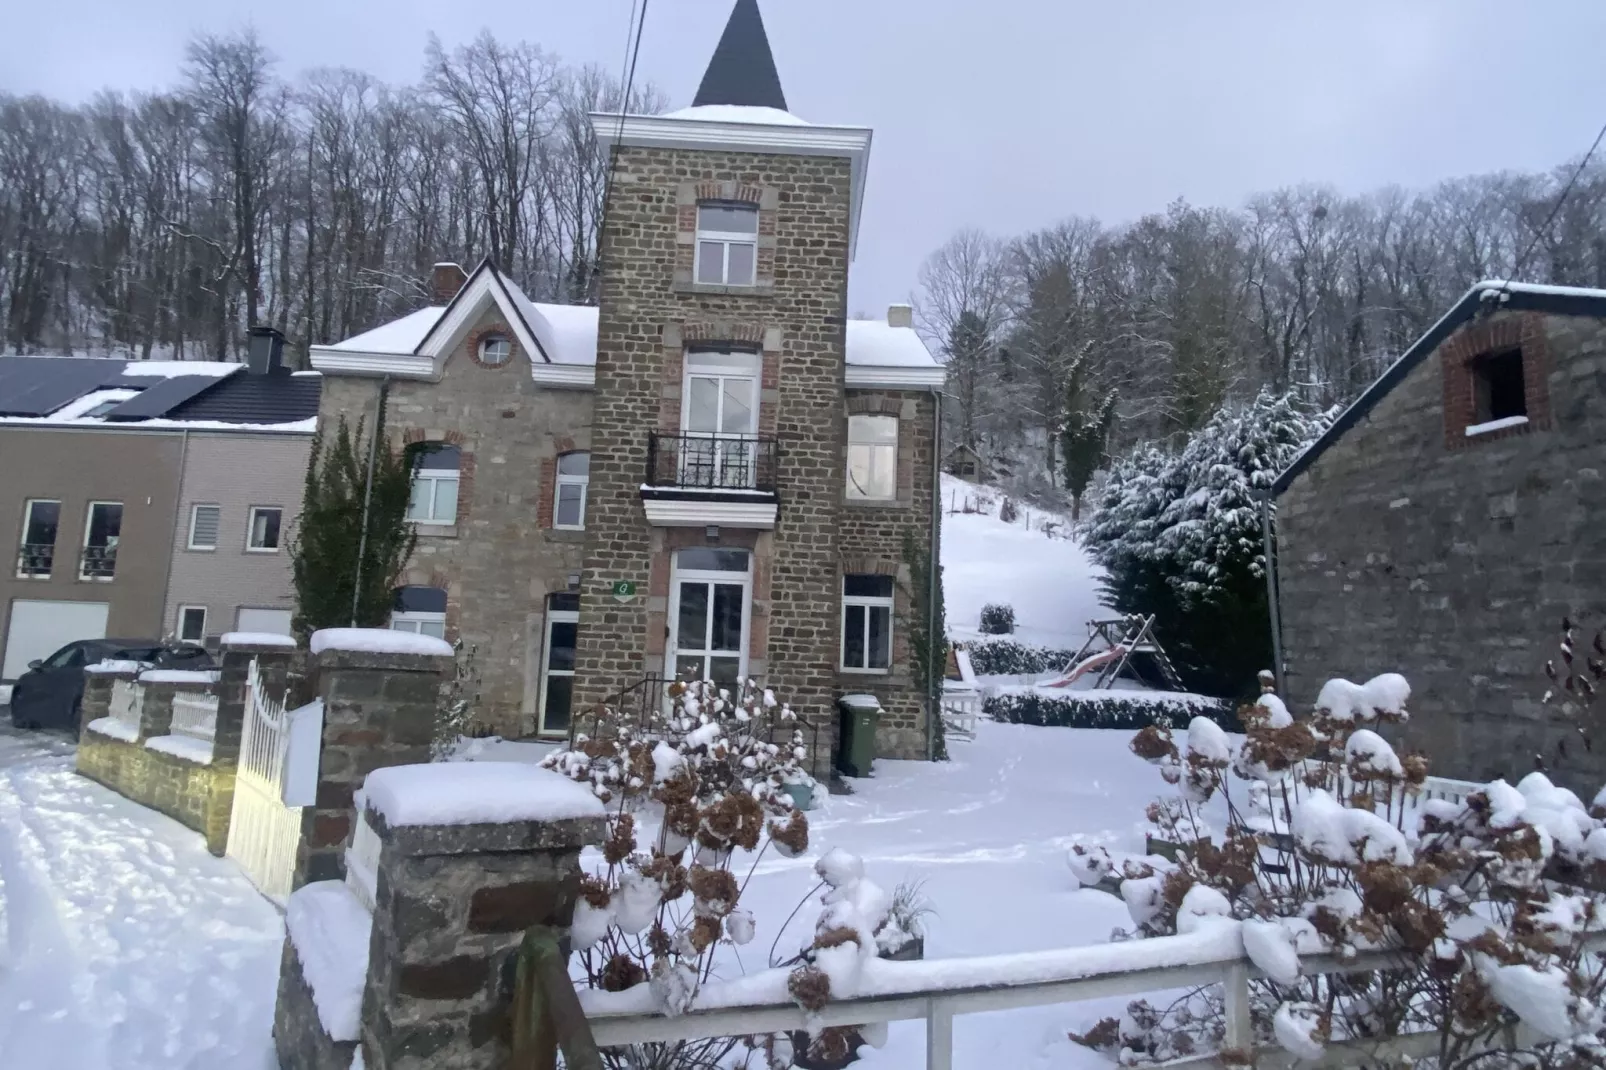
<point x="36" y="559"/>
<point x="98" y="563"/>
<point x="692" y="460"/>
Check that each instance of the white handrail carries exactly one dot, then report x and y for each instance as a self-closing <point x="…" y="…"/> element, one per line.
<point x="939" y="1006"/>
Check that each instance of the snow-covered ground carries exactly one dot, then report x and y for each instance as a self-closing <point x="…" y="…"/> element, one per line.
<point x="123" y="944"/>
<point x="1048" y="578"/>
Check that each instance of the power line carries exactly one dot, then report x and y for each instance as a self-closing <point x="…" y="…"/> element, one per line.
<point x="627" y="78"/>
<point x="1516" y="270"/>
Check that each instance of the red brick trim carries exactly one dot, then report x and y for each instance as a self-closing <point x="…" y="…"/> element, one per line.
<point x="725" y="191"/>
<point x="868" y="565"/>
<point x="1503" y="331"/>
<point x="547" y="488"/>
<point x="874" y="405"/>
<point x="501" y="330"/>
<point x="706" y="335"/>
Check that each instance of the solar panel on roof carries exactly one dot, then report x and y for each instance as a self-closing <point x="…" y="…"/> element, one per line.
<point x="38" y="386"/>
<point x="161" y="398"/>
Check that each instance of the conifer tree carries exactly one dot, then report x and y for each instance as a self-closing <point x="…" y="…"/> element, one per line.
<point x="1084" y="431"/>
<point x="325" y="544"/>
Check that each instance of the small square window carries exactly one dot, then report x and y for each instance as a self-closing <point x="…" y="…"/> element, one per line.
<point x="264" y="530"/>
<point x="204" y="522"/>
<point x="1499" y="390"/>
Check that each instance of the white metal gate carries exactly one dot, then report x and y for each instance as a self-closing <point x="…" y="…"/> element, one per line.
<point x="263" y="832"/>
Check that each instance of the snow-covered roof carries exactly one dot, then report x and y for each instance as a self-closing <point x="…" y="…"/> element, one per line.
<point x="1487" y="295"/>
<point x="877" y="353"/>
<point x="737" y="113"/>
<point x="167" y="369"/>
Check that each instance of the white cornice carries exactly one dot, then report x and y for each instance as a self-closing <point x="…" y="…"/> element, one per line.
<point x="559" y="376"/>
<point x="894" y="376"/>
<point x="347" y="362"/>
<point x="699" y="512"/>
<point x="656" y="131"/>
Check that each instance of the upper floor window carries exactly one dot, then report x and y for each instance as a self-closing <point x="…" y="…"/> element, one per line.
<point x="873" y="457"/>
<point x="727" y="244"/>
<point x="1498" y="387"/>
<point x="574" y="476"/>
<point x="102" y="532"/>
<point x="37" y="555"/>
<point x="204" y="523"/>
<point x="264" y="529"/>
<point x="866" y="623"/>
<point x="495" y="349"/>
<point x="420" y="610"/>
<point x="436" y="468"/>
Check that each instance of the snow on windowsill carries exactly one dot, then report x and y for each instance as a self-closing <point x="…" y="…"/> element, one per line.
<point x="379" y="641"/>
<point x="258" y="639"/>
<point x="1496" y="425"/>
<point x="112" y="728"/>
<point x="475" y="793"/>
<point x="329" y="930"/>
<point x="179" y="676"/>
<point x="185" y="748"/>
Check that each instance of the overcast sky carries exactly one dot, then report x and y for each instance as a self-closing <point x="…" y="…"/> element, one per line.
<point x="1002" y="114"/>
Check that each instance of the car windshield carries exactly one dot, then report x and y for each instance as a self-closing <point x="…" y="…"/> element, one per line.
<point x="71" y="654"/>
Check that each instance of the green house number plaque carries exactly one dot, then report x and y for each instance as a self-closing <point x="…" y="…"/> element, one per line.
<point x="624" y="590"/>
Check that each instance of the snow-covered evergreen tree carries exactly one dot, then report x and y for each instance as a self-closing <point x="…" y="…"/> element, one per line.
<point x="1180" y="537"/>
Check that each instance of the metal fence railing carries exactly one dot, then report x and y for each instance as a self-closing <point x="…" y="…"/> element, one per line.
<point x="35" y="560"/>
<point x="194" y="715"/>
<point x="98" y="563"/>
<point x="698" y="461"/>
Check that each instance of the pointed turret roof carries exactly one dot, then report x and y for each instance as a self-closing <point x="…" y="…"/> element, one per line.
<point x="742" y="71"/>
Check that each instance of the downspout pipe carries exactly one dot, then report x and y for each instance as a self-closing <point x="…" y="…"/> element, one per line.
<point x="1269" y="548"/>
<point x="936" y="667"/>
<point x="368" y="495"/>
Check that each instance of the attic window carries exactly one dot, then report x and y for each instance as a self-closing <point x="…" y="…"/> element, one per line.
<point x="495" y="349"/>
<point x="1498" y="391"/>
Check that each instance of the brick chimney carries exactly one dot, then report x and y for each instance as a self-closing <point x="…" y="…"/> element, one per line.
<point x="265" y="352"/>
<point x="900" y="316"/>
<point x="445" y="279"/>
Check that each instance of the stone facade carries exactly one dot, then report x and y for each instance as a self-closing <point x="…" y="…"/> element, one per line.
<point x="501" y="559"/>
<point x="793" y="318"/>
<point x="1411" y="546"/>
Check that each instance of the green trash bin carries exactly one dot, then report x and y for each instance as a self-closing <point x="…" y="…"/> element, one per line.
<point x="860" y="715"/>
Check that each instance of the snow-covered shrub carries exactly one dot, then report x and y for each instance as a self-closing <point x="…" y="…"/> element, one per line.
<point x="697" y="784"/>
<point x="1489" y="910"/>
<point x="997" y="618"/>
<point x="1179" y="536"/>
<point x="1009" y="657"/>
<point x="454" y="718"/>
<point x="1101" y="709"/>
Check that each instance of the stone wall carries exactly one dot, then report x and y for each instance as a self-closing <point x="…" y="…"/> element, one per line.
<point x="650" y="309"/>
<point x="1453" y="560"/>
<point x="502" y="559"/>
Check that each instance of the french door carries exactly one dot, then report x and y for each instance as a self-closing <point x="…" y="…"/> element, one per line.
<point x="710" y="604"/>
<point x="719" y="417"/>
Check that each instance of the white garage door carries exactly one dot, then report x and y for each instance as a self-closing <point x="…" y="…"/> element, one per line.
<point x="39" y="629"/>
<point x="272" y="621"/>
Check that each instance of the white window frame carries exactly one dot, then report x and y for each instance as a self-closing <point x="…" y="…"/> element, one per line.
<point x="726" y="239"/>
<point x="553" y="616"/>
<point x="864" y="604"/>
<point x="493" y="340"/>
<point x="27" y="522"/>
<point x="583" y="482"/>
<point x="178" y="628"/>
<point x="436" y="476"/>
<point x="871" y="449"/>
<point x="195" y="511"/>
<point x="89" y="523"/>
<point x="414" y="622"/>
<point x="677" y="576"/>
<point x="251" y="529"/>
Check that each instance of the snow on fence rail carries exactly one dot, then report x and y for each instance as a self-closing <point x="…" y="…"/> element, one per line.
<point x="194" y="715"/>
<point x="937" y="991"/>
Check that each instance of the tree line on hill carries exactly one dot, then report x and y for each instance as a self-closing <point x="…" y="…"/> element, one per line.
<point x="167" y="223"/>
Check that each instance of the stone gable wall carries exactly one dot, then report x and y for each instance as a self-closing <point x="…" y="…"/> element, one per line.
<point x="1455" y="562"/>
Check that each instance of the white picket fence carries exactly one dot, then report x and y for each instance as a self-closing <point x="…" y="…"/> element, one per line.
<point x="263" y="831"/>
<point x="938" y="991"/>
<point x="195" y="715"/>
<point x="127" y="702"/>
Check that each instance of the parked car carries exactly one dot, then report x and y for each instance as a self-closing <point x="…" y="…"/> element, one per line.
<point x="51" y="692"/>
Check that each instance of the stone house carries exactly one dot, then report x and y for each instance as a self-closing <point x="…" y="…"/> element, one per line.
<point x="155" y="498"/>
<point x="715" y="472"/>
<point x="1448" y="522"/>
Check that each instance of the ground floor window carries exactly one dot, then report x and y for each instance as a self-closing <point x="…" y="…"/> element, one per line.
<point x="866" y="623"/>
<point x="420" y="610"/>
<point x="192" y="623"/>
<point x="557" y="662"/>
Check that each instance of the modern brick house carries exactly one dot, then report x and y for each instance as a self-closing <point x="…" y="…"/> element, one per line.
<point x="716" y="472"/>
<point x="148" y="498"/>
<point x="1448" y="522"/>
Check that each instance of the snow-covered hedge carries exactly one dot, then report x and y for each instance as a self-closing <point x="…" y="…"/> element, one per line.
<point x="1104" y="709"/>
<point x="1008" y="657"/>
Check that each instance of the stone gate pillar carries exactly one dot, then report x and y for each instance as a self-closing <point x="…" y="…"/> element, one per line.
<point x="273" y="654"/>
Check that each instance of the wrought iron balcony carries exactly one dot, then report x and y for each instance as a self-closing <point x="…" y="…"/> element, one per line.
<point x="98" y="563"/>
<point x="691" y="460"/>
<point x="36" y="559"/>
